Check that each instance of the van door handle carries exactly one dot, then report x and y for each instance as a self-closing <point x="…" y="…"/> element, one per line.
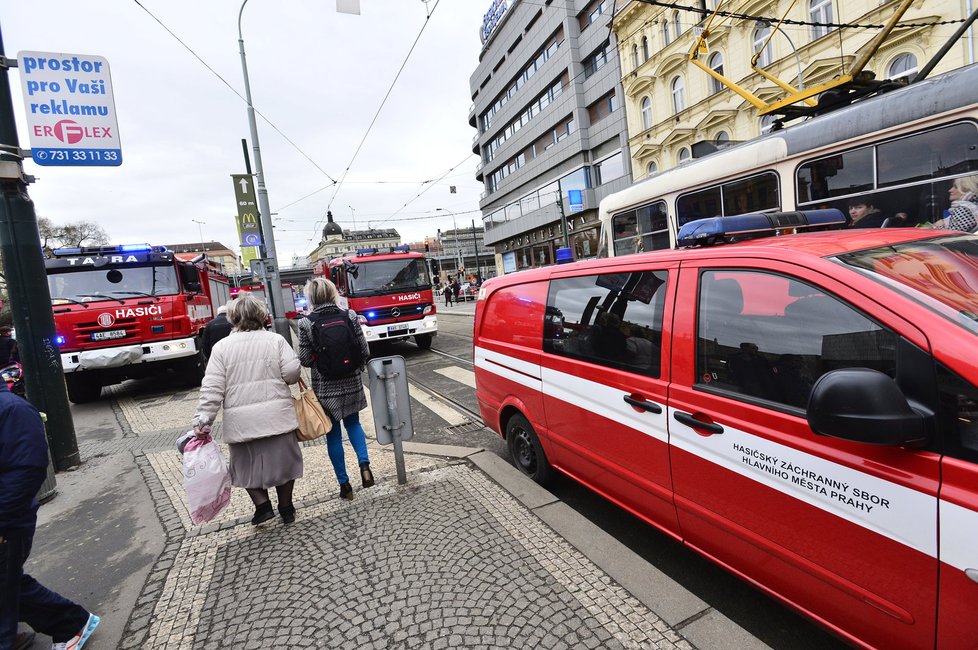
<point x="642" y="404"/>
<point x="690" y="421"/>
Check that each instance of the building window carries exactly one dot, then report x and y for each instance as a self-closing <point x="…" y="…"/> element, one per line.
<point x="767" y="124"/>
<point x="665" y="32"/>
<point x="676" y="25"/>
<point x="820" y="11"/>
<point x="678" y="94"/>
<point x="683" y="155"/>
<point x="610" y="168"/>
<point x="760" y="37"/>
<point x="652" y="168"/>
<point x="722" y="138"/>
<point x="645" y="48"/>
<point x="716" y="64"/>
<point x="903" y="65"/>
<point x="646" y="113"/>
<point x="596" y="60"/>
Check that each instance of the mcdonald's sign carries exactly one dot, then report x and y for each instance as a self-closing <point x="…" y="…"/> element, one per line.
<point x="249" y="221"/>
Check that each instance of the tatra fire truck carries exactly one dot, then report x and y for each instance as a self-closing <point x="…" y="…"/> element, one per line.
<point x="130" y="311"/>
<point x="390" y="292"/>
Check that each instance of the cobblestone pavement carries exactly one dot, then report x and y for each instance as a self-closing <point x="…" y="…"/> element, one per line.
<point x="451" y="559"/>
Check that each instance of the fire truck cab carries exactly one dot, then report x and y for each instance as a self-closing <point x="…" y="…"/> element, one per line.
<point x="390" y="292"/>
<point x="130" y="311"/>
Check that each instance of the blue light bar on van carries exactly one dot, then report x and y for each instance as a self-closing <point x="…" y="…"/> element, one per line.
<point x="400" y="249"/>
<point x="366" y="251"/>
<point x="721" y="230"/>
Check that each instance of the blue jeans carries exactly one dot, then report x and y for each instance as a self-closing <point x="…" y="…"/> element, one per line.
<point x="334" y="445"/>
<point x="22" y="598"/>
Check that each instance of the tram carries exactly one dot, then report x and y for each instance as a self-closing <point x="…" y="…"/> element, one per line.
<point x="897" y="152"/>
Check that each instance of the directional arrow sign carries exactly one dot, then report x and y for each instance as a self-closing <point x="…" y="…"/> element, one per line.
<point x="249" y="223"/>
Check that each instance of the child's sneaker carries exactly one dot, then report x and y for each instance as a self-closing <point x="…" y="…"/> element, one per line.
<point x="76" y="642"/>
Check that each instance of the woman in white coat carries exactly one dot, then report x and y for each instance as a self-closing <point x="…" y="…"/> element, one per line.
<point x="248" y="374"/>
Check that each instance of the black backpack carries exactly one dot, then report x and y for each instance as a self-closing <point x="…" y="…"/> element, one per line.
<point x="338" y="352"/>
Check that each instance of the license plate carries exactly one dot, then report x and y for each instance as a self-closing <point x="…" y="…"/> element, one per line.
<point x="109" y="335"/>
<point x="397" y="328"/>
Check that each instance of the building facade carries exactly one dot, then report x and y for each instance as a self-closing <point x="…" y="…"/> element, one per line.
<point x="337" y="242"/>
<point x="675" y="110"/>
<point x="547" y="109"/>
<point x="216" y="252"/>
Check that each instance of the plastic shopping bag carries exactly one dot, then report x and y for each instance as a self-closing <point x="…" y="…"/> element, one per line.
<point x="206" y="478"/>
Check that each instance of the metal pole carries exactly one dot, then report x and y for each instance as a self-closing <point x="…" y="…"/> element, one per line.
<point x="475" y="242"/>
<point x="274" y="284"/>
<point x="200" y="229"/>
<point x="393" y="422"/>
<point x="30" y="300"/>
<point x="356" y="237"/>
<point x="563" y="219"/>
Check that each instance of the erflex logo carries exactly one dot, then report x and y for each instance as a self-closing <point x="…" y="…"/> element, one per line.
<point x="106" y="319"/>
<point x="69" y="132"/>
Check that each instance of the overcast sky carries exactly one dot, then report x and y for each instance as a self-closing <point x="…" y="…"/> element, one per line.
<point x="317" y="75"/>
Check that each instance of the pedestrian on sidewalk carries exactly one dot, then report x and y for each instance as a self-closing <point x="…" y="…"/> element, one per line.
<point x="248" y="374"/>
<point x="341" y="396"/>
<point x="23" y="468"/>
<point x="215" y="330"/>
<point x="448" y="293"/>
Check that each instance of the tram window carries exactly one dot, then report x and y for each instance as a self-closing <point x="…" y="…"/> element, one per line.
<point x="642" y="229"/>
<point x="837" y="175"/>
<point x="751" y="194"/>
<point x="942" y="152"/>
<point x="612" y="320"/>
<point x="699" y="205"/>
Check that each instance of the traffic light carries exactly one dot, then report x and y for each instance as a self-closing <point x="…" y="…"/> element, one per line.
<point x="427" y="248"/>
<point x="435" y="268"/>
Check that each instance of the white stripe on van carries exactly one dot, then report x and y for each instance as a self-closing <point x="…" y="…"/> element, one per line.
<point x="959" y="532"/>
<point x="894" y="511"/>
<point x="522" y="372"/>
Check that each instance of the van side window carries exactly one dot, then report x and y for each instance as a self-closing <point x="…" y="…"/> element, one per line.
<point x="958" y="415"/>
<point x="613" y="320"/>
<point x="768" y="336"/>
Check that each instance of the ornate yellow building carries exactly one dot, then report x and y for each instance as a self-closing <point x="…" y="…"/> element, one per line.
<point x="671" y="104"/>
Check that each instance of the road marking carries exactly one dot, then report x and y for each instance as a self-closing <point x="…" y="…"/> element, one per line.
<point x="445" y="411"/>
<point x="461" y="375"/>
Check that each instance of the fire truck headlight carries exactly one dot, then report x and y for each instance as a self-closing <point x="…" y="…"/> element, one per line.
<point x="427" y="309"/>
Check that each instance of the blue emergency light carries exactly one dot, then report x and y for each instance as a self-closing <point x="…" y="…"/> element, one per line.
<point x="59" y="340"/>
<point x="371" y="314"/>
<point x="66" y="251"/>
<point x="130" y="248"/>
<point x="721" y="230"/>
<point x="366" y="251"/>
<point x="400" y="249"/>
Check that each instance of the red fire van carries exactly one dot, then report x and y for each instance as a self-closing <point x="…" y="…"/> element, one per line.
<point x="801" y="409"/>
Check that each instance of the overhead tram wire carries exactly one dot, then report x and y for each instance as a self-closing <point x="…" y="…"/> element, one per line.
<point x="346" y="171"/>
<point x="430" y="184"/>
<point x="224" y="81"/>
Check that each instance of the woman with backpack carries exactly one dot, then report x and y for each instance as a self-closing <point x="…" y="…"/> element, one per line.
<point x="331" y="342"/>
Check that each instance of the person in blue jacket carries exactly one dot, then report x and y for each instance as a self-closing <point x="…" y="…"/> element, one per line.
<point x="23" y="468"/>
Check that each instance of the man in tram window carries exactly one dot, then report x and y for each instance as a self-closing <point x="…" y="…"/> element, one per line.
<point x="863" y="213"/>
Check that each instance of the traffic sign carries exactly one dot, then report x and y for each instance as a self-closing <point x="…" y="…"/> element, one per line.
<point x="249" y="224"/>
<point x="70" y="109"/>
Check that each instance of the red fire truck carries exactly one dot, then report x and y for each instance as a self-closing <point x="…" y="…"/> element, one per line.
<point x="130" y="311"/>
<point x="258" y="291"/>
<point x="390" y="292"/>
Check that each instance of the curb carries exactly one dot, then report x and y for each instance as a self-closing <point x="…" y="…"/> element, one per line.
<point x="685" y="612"/>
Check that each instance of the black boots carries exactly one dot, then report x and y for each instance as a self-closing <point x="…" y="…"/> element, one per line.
<point x="262" y="513"/>
<point x="346" y="491"/>
<point x="288" y="513"/>
<point x="366" y="475"/>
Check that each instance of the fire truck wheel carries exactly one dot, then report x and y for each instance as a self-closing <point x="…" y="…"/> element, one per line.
<point x="423" y="340"/>
<point x="525" y="450"/>
<point x="82" y="388"/>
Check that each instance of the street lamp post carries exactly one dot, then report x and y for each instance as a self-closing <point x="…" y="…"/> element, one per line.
<point x="273" y="284"/>
<point x="200" y="230"/>
<point x="460" y="262"/>
<point x="356" y="238"/>
<point x="475" y="242"/>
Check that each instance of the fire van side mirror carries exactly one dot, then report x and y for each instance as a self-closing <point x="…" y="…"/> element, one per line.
<point x="865" y="405"/>
<point x="192" y="287"/>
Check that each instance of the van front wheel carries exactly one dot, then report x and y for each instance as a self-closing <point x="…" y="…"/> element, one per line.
<point x="525" y="450"/>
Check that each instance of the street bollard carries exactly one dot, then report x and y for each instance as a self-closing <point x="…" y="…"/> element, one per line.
<point x="391" y="405"/>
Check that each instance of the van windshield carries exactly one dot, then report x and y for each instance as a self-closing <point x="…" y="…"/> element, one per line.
<point x="111" y="283"/>
<point x="939" y="273"/>
<point x="388" y="276"/>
